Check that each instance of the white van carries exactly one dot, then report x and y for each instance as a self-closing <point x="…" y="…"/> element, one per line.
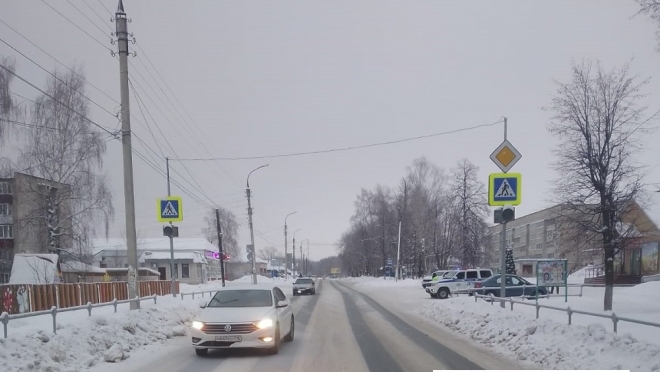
<point x="457" y="280"/>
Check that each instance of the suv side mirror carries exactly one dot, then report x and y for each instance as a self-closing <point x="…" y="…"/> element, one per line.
<point x="283" y="304"/>
<point x="203" y="304"/>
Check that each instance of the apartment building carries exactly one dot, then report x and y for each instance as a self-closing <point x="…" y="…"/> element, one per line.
<point x="546" y="235"/>
<point x="23" y="201"/>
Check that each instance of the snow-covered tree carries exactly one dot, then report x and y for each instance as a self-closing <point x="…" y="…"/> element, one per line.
<point x="64" y="149"/>
<point x="510" y="265"/>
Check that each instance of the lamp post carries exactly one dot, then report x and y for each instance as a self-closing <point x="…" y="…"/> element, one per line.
<point x="286" y="255"/>
<point x="254" y="256"/>
<point x="303" y="257"/>
<point x="293" y="249"/>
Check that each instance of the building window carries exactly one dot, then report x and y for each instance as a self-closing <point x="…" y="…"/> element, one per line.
<point x="199" y="270"/>
<point x="550" y="255"/>
<point x="6" y="232"/>
<point x="185" y="271"/>
<point x="176" y="271"/>
<point x="5" y="188"/>
<point x="539" y="246"/>
<point x="5" y="210"/>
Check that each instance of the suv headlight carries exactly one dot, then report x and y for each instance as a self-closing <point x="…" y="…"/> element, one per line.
<point x="197" y="325"/>
<point x="265" y="323"/>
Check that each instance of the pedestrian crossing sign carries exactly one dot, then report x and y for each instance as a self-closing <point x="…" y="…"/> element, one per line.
<point x="170" y="209"/>
<point x="504" y="189"/>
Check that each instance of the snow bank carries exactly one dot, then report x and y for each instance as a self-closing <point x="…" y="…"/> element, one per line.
<point x="83" y="341"/>
<point x="544" y="341"/>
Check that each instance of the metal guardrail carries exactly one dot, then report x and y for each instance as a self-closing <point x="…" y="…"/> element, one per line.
<point x="615" y="319"/>
<point x="5" y="317"/>
<point x="200" y="292"/>
<point x="651" y="278"/>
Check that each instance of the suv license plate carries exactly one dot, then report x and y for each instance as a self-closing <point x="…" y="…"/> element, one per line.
<point x="229" y="338"/>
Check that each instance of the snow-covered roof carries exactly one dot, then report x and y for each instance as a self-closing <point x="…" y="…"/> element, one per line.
<point x="33" y="269"/>
<point x="80" y="267"/>
<point x="196" y="257"/>
<point x="154" y="244"/>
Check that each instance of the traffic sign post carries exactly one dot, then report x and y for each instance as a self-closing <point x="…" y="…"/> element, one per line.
<point x="170" y="209"/>
<point x="504" y="189"/>
<point x="505" y="156"/>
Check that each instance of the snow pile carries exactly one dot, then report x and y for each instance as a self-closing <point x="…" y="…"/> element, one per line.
<point x="550" y="344"/>
<point x="83" y="341"/>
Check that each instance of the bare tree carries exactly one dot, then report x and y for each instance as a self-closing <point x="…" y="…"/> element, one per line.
<point x="267" y="253"/>
<point x="469" y="196"/>
<point x="652" y="9"/>
<point x="63" y="148"/>
<point x="598" y="119"/>
<point x="229" y="226"/>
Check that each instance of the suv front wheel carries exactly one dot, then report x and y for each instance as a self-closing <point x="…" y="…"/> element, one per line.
<point x="443" y="293"/>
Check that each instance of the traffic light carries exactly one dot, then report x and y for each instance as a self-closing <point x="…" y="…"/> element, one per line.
<point x="508" y="213"/>
<point x="504" y="214"/>
<point x="171" y="231"/>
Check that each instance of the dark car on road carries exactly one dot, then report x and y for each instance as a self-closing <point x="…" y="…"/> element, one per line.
<point x="515" y="287"/>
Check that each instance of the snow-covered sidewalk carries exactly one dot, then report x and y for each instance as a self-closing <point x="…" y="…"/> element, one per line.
<point x="83" y="341"/>
<point x="549" y="342"/>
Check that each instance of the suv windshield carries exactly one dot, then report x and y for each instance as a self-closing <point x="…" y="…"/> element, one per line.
<point x="242" y="298"/>
<point x="449" y="274"/>
<point x="303" y="281"/>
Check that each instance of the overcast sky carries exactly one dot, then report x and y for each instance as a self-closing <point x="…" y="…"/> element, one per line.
<point x="252" y="78"/>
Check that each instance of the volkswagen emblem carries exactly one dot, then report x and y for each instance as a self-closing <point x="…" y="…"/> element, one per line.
<point x="228" y="328"/>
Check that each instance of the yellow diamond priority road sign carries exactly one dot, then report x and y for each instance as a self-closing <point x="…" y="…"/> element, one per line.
<point x="505" y="156"/>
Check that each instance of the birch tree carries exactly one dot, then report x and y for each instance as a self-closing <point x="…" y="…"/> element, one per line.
<point x="598" y="117"/>
<point x="469" y="196"/>
<point x="64" y="148"/>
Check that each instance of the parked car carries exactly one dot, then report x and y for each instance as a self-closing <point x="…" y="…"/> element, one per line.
<point x="515" y="287"/>
<point x="304" y="285"/>
<point x="434" y="276"/>
<point x="455" y="281"/>
<point x="244" y="317"/>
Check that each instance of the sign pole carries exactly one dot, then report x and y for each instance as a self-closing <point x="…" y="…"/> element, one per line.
<point x="503" y="265"/>
<point x="565" y="280"/>
<point x="173" y="286"/>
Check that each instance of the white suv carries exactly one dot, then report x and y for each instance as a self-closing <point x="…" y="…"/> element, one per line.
<point x="457" y="280"/>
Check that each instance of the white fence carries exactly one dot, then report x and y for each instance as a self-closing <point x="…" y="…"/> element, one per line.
<point x="5" y="317"/>
<point x="569" y="312"/>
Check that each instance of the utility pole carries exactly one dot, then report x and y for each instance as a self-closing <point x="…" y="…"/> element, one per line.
<point x="129" y="195"/>
<point x="254" y="250"/>
<point x="302" y="258"/>
<point x="293" y="249"/>
<point x="172" y="273"/>
<point x="286" y="253"/>
<point x="398" y="253"/>
<point x="222" y="255"/>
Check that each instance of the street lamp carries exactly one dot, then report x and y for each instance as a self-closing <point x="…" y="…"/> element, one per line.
<point x="254" y="255"/>
<point x="286" y="256"/>
<point x="293" y="249"/>
<point x="303" y="257"/>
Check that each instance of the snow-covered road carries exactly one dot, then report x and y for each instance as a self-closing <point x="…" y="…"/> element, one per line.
<point x="338" y="329"/>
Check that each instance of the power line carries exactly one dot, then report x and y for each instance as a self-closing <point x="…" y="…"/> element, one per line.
<point x="60" y="80"/>
<point x="78" y="27"/>
<point x="98" y="15"/>
<point x="343" y="148"/>
<point x="56" y="100"/>
<point x="104" y="7"/>
<point x="57" y="60"/>
<point x="86" y="17"/>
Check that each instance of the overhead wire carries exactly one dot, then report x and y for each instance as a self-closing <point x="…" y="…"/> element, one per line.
<point x="349" y="148"/>
<point x="55" y="99"/>
<point x="78" y="27"/>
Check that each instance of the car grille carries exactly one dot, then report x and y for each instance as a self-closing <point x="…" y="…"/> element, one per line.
<point x="217" y="329"/>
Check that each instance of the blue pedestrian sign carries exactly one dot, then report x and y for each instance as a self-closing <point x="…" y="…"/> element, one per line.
<point x="170" y="209"/>
<point x="389" y="262"/>
<point x="504" y="189"/>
